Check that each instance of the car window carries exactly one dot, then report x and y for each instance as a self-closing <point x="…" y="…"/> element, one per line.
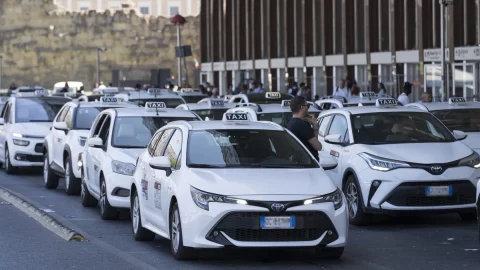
<point x="85" y="116"/>
<point x="339" y="126"/>
<point x="173" y="149"/>
<point x="99" y="125"/>
<point x="68" y="117"/>
<point x="104" y="130"/>
<point x="466" y="120"/>
<point x="322" y="130"/>
<point x="6" y="112"/>
<point x="61" y="114"/>
<point x="4" y="109"/>
<point x="215" y="114"/>
<point x="162" y="142"/>
<point x="153" y="142"/>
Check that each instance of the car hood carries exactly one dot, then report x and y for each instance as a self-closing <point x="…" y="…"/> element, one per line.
<point x="235" y="182"/>
<point x="37" y="129"/>
<point x="128" y="155"/>
<point x="472" y="140"/>
<point x="423" y="153"/>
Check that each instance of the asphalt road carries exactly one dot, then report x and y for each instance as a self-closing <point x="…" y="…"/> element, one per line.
<point x="428" y="242"/>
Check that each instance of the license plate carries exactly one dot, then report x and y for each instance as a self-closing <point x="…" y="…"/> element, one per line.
<point x="438" y="191"/>
<point x="277" y="222"/>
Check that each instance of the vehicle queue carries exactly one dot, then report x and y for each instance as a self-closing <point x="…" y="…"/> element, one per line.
<point x="245" y="180"/>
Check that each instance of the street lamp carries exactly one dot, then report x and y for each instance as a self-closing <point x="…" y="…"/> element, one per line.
<point x="101" y="49"/>
<point x="179" y="21"/>
<point x="443" y="5"/>
<point x="1" y="71"/>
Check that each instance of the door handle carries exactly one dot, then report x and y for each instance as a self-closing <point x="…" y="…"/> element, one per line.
<point x="334" y="153"/>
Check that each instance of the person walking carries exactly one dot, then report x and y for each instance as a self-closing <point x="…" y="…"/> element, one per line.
<point x="382" y="91"/>
<point x="407" y="90"/>
<point x="308" y="93"/>
<point x="341" y="90"/>
<point x="426" y="98"/>
<point x="304" y="125"/>
<point x="355" y="92"/>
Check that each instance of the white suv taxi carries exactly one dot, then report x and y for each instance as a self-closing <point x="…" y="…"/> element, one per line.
<point x="208" y="109"/>
<point x="116" y="139"/>
<point x="24" y="123"/>
<point x="191" y="95"/>
<point x="258" y="186"/>
<point x="277" y="113"/>
<point x="170" y="98"/>
<point x="67" y="138"/>
<point x="335" y="102"/>
<point x="394" y="158"/>
<point x="260" y="98"/>
<point x="457" y="114"/>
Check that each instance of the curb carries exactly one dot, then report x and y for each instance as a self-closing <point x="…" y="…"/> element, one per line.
<point x="39" y="215"/>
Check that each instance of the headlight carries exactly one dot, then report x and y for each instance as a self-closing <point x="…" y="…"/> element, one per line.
<point x="382" y="164"/>
<point x="82" y="140"/>
<point x="471" y="161"/>
<point x="21" y="142"/>
<point x="334" y="197"/>
<point x="17" y="135"/>
<point x="202" y="198"/>
<point x="123" y="168"/>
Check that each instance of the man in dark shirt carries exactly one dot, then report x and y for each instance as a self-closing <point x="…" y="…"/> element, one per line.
<point x="301" y="125"/>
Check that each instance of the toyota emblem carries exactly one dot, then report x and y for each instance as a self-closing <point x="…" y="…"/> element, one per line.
<point x="436" y="168"/>
<point x="277" y="207"/>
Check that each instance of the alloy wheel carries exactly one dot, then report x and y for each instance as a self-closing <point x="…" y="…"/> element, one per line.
<point x="176" y="231"/>
<point x="352" y="199"/>
<point x="135" y="214"/>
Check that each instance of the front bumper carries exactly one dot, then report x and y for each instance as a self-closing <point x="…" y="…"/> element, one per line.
<point x="239" y="226"/>
<point x="397" y="193"/>
<point x="118" y="189"/>
<point x="26" y="156"/>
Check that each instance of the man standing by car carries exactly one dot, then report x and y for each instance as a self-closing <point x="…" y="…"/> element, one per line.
<point x="304" y="126"/>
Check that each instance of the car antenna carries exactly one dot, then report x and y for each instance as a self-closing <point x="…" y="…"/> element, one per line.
<point x="156" y="109"/>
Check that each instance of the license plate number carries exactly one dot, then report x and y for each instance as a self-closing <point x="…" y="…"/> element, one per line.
<point x="438" y="191"/>
<point x="277" y="222"/>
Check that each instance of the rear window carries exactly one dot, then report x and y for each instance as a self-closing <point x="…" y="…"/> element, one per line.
<point x="169" y="102"/>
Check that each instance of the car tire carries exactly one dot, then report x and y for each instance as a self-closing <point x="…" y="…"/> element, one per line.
<point x="353" y="194"/>
<point x="9" y="169"/>
<point x="330" y="252"/>
<point x="87" y="199"/>
<point x="139" y="233"/>
<point x="179" y="251"/>
<point x="106" y="210"/>
<point x="72" y="184"/>
<point x="50" y="178"/>
<point x="468" y="215"/>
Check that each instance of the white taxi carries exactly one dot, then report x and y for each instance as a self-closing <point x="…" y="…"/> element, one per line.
<point x="258" y="186"/>
<point x="457" y="114"/>
<point x="208" y="108"/>
<point x="260" y="98"/>
<point x="335" y="102"/>
<point x="66" y="140"/>
<point x="170" y="98"/>
<point x="394" y="158"/>
<point x="115" y="141"/>
<point x="30" y="91"/>
<point x="191" y="95"/>
<point x="277" y="113"/>
<point x="24" y="123"/>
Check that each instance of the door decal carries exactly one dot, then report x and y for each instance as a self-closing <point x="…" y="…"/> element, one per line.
<point x="145" y="189"/>
<point x="157" y="194"/>
<point x="334" y="153"/>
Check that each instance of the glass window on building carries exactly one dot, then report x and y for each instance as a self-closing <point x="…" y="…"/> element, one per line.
<point x="83" y="8"/>
<point x="339" y="74"/>
<point x="464" y="77"/>
<point x="433" y="80"/>
<point x="338" y="48"/>
<point x="361" y="77"/>
<point x="412" y="74"/>
<point x="145" y="10"/>
<point x="174" y="10"/>
<point x="385" y="76"/>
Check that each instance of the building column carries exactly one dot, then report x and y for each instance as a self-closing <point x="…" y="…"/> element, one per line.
<point x="264" y="79"/>
<point x="281" y="80"/>
<point x="222" y="82"/>
<point x="420" y="42"/>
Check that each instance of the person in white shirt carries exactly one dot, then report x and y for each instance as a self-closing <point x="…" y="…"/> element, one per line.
<point x="341" y="90"/>
<point x="426" y="98"/>
<point x="407" y="90"/>
<point x="381" y="90"/>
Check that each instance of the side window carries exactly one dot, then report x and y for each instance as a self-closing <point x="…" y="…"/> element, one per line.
<point x="61" y="114"/>
<point x="173" y="149"/>
<point x="334" y="106"/>
<point x="162" y="142"/>
<point x="5" y="108"/>
<point x="105" y="129"/>
<point x="339" y="126"/>
<point x="6" y="112"/>
<point x="323" y="127"/>
<point x="319" y="121"/>
<point x="153" y="142"/>
<point x="325" y="106"/>
<point x="68" y="117"/>
<point x="96" y="130"/>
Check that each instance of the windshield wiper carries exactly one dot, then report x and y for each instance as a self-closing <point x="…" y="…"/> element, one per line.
<point x="258" y="165"/>
<point x="129" y="146"/>
<point x="39" y="121"/>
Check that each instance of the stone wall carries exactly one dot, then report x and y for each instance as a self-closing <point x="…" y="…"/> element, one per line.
<point x="33" y="53"/>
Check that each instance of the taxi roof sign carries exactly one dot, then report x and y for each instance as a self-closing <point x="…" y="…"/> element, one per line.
<point x="386" y="102"/>
<point x="273" y="95"/>
<point x="217" y="103"/>
<point x="285" y="103"/>
<point x="228" y="97"/>
<point x="105" y="99"/>
<point x="155" y="105"/>
<point x="157" y="90"/>
<point x="455" y="100"/>
<point x="41" y="92"/>
<point x="367" y="94"/>
<point x="236" y="117"/>
<point x="189" y="90"/>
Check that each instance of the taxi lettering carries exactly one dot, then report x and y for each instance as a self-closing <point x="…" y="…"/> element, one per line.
<point x="286" y="103"/>
<point x="272" y="95"/>
<point x="367" y="94"/>
<point x="217" y="103"/>
<point x="390" y="101"/>
<point x="110" y="99"/>
<point x="237" y="116"/>
<point x="457" y="99"/>
<point x="156" y="105"/>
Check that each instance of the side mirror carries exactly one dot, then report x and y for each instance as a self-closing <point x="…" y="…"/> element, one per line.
<point x="95" y="142"/>
<point x="161" y="163"/>
<point x="459" y="135"/>
<point x="328" y="163"/>
<point x="333" y="139"/>
<point x="60" y="125"/>
<point x="2" y="121"/>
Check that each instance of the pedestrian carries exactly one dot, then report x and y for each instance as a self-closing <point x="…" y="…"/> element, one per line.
<point x="301" y="90"/>
<point x="258" y="88"/>
<point x="407" y="90"/>
<point x="382" y="91"/>
<point x="101" y="85"/>
<point x="341" y="90"/>
<point x="355" y="92"/>
<point x="214" y="93"/>
<point x="65" y="88"/>
<point x="12" y="88"/>
<point x="110" y="85"/>
<point x="293" y="90"/>
<point x="230" y="89"/>
<point x="138" y="87"/>
<point x="238" y="89"/>
<point x="426" y="98"/>
<point x="304" y="125"/>
<point x="307" y="94"/>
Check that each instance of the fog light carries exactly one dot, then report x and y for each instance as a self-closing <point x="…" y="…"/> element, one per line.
<point x="376" y="183"/>
<point x="215" y="233"/>
<point x="329" y="232"/>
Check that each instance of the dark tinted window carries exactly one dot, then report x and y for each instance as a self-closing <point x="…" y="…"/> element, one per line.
<point x="37" y="110"/>
<point x="136" y="131"/>
<point x="86" y="115"/>
<point x="193" y="99"/>
<point x="246" y="149"/>
<point x="171" y="102"/>
<point x="1" y="106"/>
<point x="261" y="99"/>
<point x="467" y="120"/>
<point x="216" y="114"/>
<point x="281" y="118"/>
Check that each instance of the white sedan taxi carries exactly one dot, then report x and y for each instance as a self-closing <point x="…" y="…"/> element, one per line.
<point x="394" y="158"/>
<point x="116" y="139"/>
<point x="457" y="114"/>
<point x="24" y="123"/>
<point x="258" y="186"/>
<point x="191" y="95"/>
<point x="208" y="108"/>
<point x="170" y="98"/>
<point x="260" y="98"/>
<point x="335" y="102"/>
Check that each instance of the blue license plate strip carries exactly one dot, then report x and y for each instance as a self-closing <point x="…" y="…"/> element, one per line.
<point x="432" y="191"/>
<point x="264" y="225"/>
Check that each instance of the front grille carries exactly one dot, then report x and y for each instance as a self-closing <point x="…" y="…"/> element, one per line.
<point x="32" y="158"/>
<point x="413" y="194"/>
<point x="245" y="227"/>
<point x="39" y="147"/>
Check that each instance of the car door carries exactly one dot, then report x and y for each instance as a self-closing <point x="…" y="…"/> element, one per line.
<point x="341" y="152"/>
<point x="3" y="129"/>
<point x="323" y="124"/>
<point x="90" y="151"/>
<point x="150" y="182"/>
<point x="99" y="154"/>
<point x="58" y="138"/>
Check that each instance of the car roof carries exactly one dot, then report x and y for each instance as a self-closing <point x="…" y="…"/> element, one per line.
<point x="372" y="109"/>
<point x="435" y="106"/>
<point x="46" y="98"/>
<point x="270" y="108"/>
<point x="98" y="104"/>
<point x="219" y="124"/>
<point x="205" y="106"/>
<point x="146" y="95"/>
<point x="142" y="111"/>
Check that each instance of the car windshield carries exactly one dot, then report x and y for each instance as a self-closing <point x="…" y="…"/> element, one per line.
<point x="85" y="117"/>
<point x="169" y="102"/>
<point x="212" y="114"/>
<point x="399" y="127"/>
<point x="466" y="120"/>
<point x="194" y="98"/>
<point x="37" y="110"/>
<point x="356" y="104"/>
<point x="136" y="131"/>
<point x="281" y="118"/>
<point x="246" y="149"/>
